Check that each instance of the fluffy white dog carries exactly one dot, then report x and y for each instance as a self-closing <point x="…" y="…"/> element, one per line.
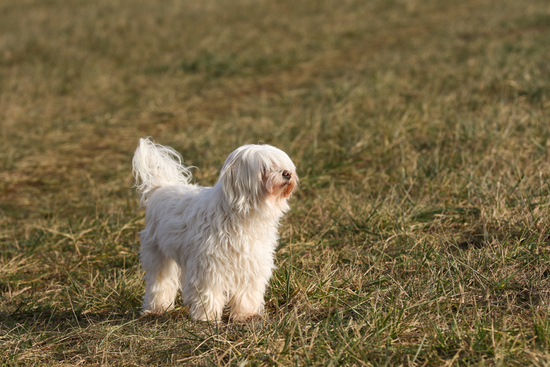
<point x="214" y="244"/>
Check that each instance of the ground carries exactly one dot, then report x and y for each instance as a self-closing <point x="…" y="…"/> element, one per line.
<point x="421" y="133"/>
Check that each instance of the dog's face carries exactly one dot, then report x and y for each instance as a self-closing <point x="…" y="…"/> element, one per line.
<point x="254" y="175"/>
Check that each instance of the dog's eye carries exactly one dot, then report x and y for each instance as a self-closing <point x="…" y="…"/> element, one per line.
<point x="287" y="175"/>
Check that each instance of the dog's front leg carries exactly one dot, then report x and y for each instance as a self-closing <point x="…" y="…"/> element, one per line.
<point x="248" y="300"/>
<point x="205" y="303"/>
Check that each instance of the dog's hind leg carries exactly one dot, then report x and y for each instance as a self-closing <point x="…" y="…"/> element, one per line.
<point x="162" y="280"/>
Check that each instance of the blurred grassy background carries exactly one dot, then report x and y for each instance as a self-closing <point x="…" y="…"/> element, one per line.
<point x="420" y="129"/>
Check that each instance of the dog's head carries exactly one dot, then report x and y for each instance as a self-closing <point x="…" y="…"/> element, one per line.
<point x="254" y="176"/>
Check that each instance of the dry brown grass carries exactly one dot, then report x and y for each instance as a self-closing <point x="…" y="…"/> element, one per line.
<point x="419" y="235"/>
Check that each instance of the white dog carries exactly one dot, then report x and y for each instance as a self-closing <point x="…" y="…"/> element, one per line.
<point x="214" y="244"/>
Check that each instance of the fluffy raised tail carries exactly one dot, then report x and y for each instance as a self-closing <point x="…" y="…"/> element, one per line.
<point x="155" y="165"/>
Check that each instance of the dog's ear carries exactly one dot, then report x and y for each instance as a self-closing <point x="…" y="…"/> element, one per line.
<point x="240" y="179"/>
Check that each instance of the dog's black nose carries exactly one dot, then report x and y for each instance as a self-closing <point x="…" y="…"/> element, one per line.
<point x="286" y="175"/>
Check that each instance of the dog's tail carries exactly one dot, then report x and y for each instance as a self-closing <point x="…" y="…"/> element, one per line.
<point x="155" y="166"/>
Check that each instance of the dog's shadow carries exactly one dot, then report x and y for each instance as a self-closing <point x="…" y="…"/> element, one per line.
<point x="48" y="319"/>
<point x="69" y="335"/>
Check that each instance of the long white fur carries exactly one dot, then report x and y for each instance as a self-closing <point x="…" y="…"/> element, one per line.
<point x="155" y="165"/>
<point x="214" y="244"/>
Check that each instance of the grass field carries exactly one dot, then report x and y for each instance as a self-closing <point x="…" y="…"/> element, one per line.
<point x="421" y="131"/>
